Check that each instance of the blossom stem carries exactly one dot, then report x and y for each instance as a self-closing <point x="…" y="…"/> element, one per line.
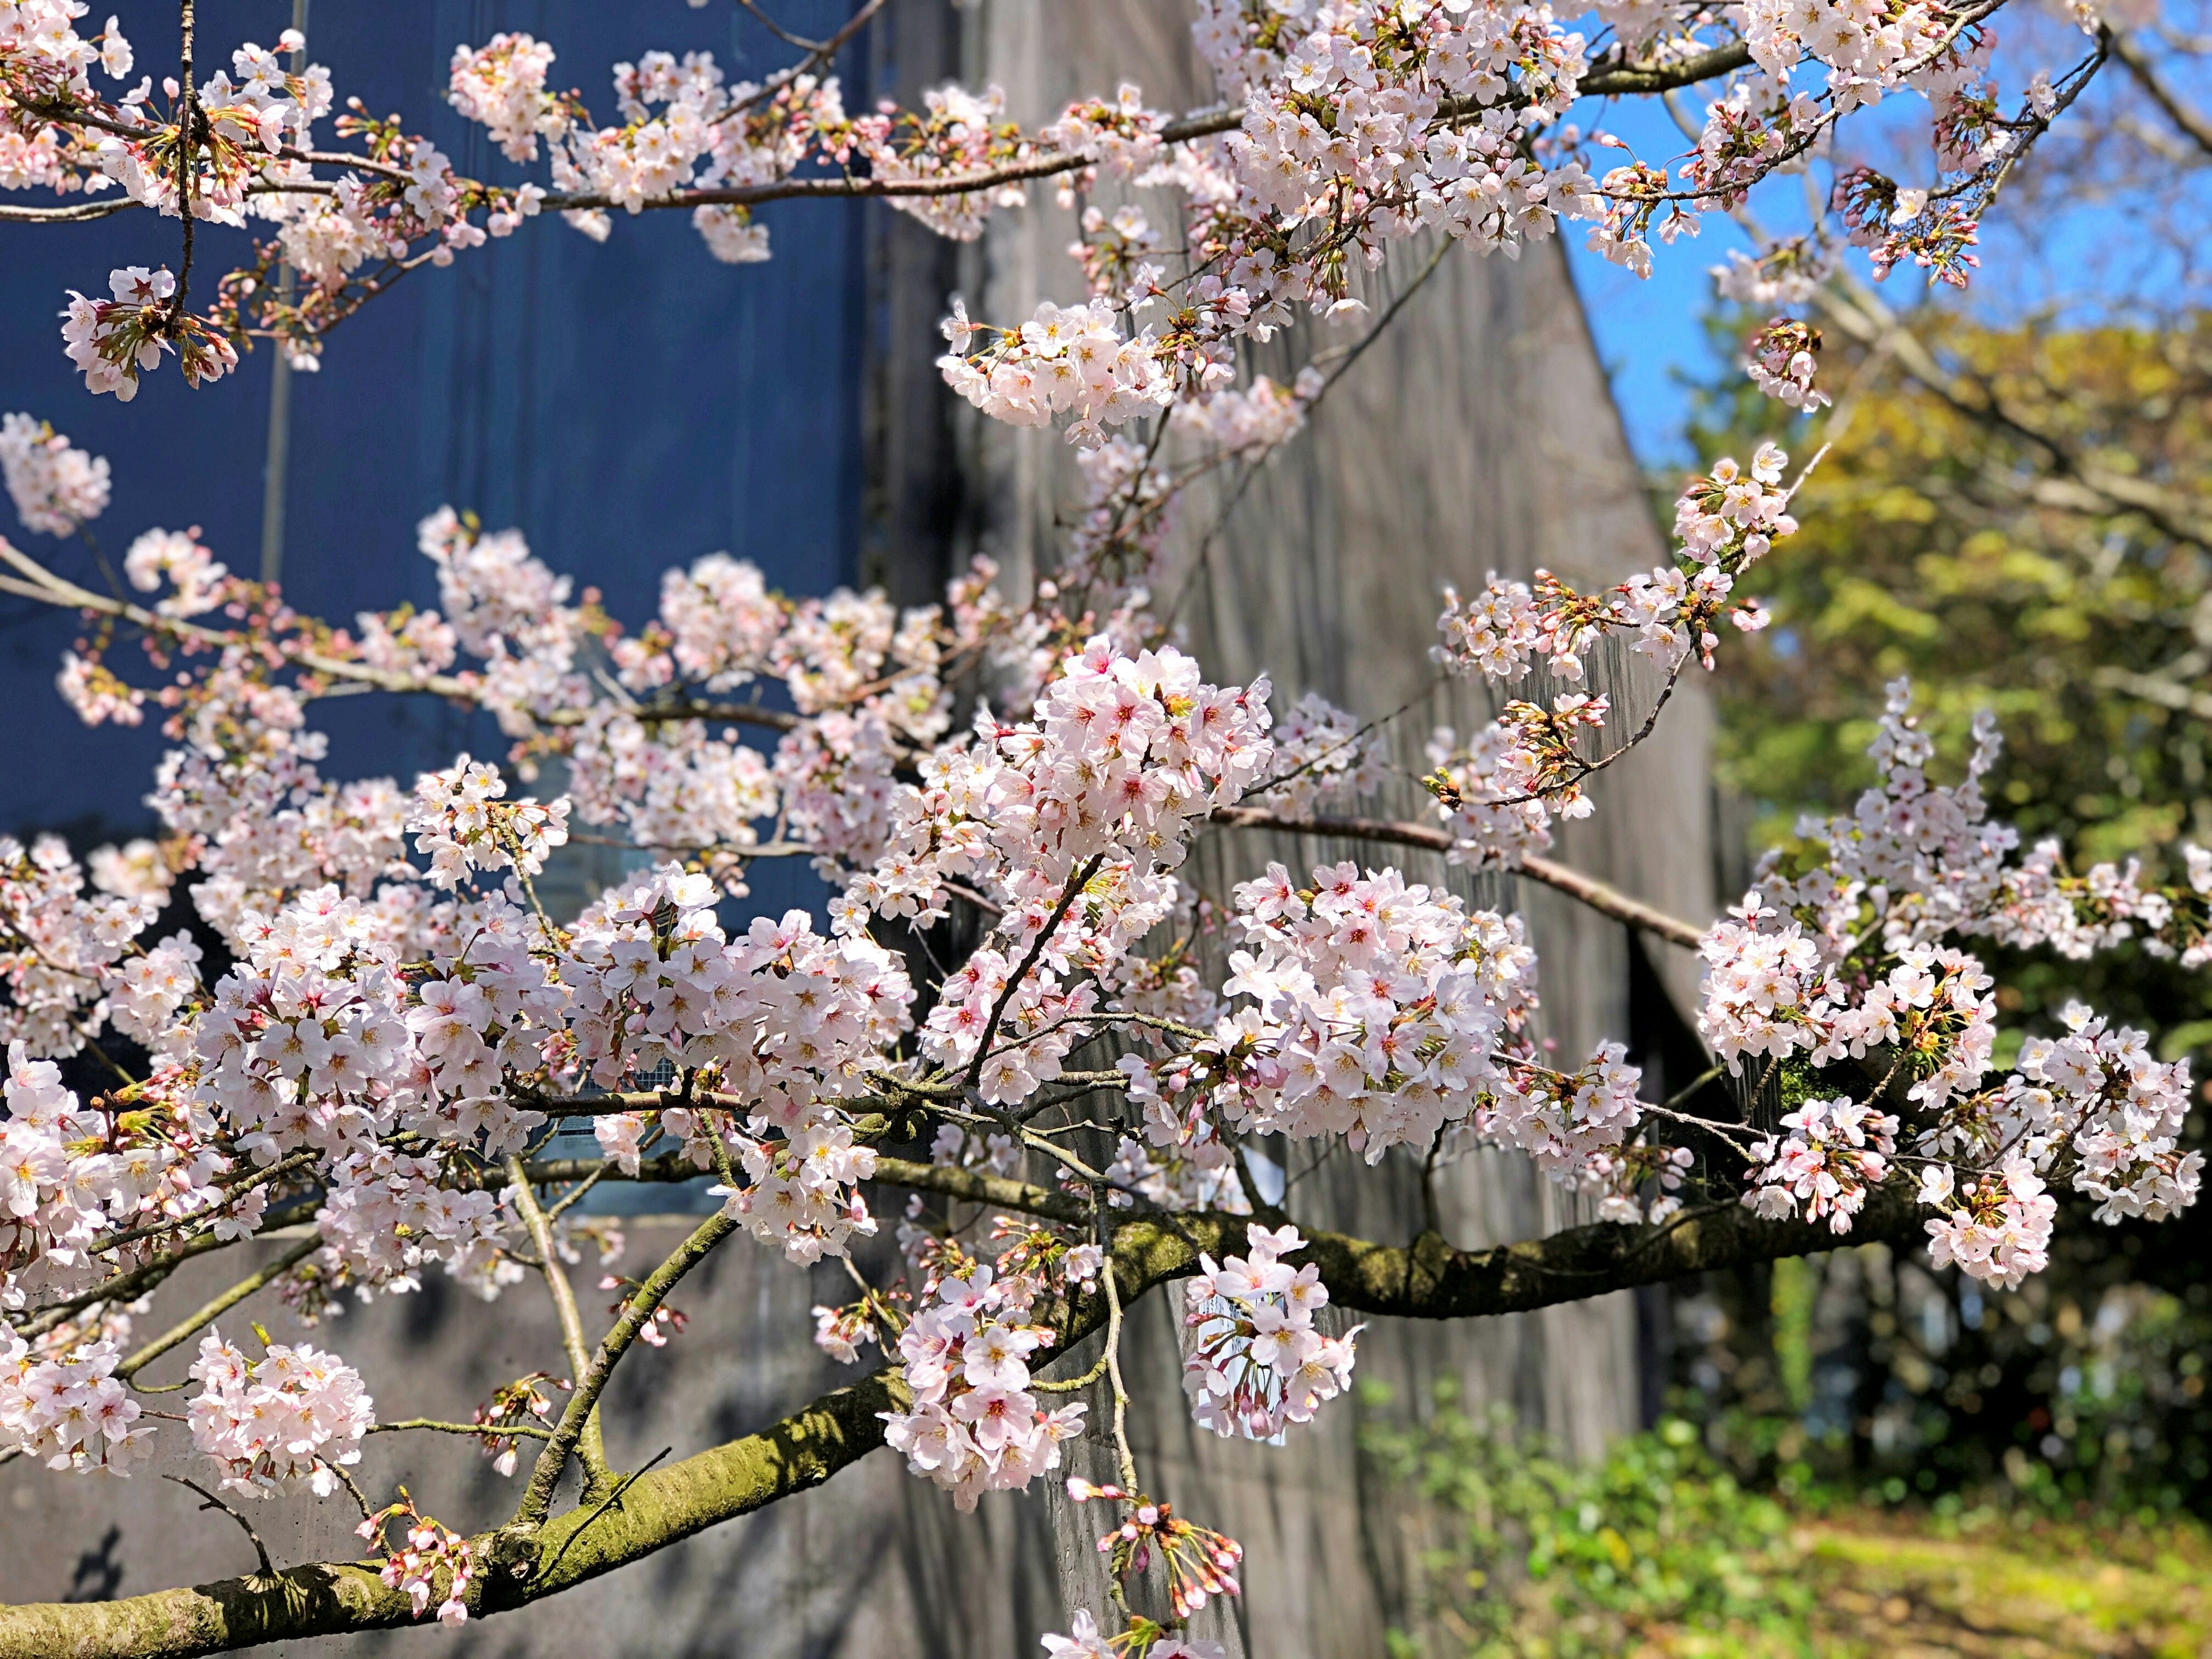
<point x="592" y="1381"/>
<point x="185" y="1328"/>
<point x="590" y="1449"/>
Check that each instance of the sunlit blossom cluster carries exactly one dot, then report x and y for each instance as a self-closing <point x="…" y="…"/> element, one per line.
<point x="427" y="1553"/>
<point x="68" y="1408"/>
<point x="1253" y="1362"/>
<point x="1835" y="1152"/>
<point x="974" y="1426"/>
<point x="293" y="1416"/>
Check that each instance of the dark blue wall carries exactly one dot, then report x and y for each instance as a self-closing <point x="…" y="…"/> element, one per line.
<point x="629" y="405"/>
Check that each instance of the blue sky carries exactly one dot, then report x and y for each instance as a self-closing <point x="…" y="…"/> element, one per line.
<point x="1650" y="332"/>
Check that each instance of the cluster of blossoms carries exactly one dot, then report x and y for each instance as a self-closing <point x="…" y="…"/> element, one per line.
<point x="113" y="341"/>
<point x="974" y="1426"/>
<point x="293" y="1416"/>
<point x="1322" y="751"/>
<point x="66" y="956"/>
<point x="524" y="1401"/>
<point x="427" y="1551"/>
<point x="180" y="558"/>
<point x="1255" y="420"/>
<point x="841" y="1332"/>
<point x="1836" y="1152"/>
<point x="1931" y="861"/>
<point x="1844" y="955"/>
<point x="1502" y="789"/>
<point x="71" y="1177"/>
<point x="782" y="1019"/>
<point x="1782" y="359"/>
<point x="1788" y="274"/>
<point x="1196" y="1169"/>
<point x="1996" y="1227"/>
<point x="1384" y="1014"/>
<point x="1253" y="1361"/>
<point x="315" y="1041"/>
<point x="461" y="822"/>
<point x="1201" y="1564"/>
<point x="1064" y="360"/>
<point x="64" y="1404"/>
<point x="955" y="133"/>
<point x="1867" y="53"/>
<point x="1095" y="793"/>
<point x="57" y="486"/>
<point x="1769" y="991"/>
<point x="2096" y="1103"/>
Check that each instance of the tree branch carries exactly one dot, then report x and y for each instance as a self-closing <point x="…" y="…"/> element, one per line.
<point x="1599" y="895"/>
<point x="590" y="1449"/>
<point x="2191" y="121"/>
<point x="1428" y="1281"/>
<point x="546" y="1474"/>
<point x="189" y="1327"/>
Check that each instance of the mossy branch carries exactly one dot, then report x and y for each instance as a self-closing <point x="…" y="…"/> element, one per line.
<point x="1429" y="1280"/>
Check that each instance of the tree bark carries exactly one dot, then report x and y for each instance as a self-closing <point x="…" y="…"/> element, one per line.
<point x="1427" y="1280"/>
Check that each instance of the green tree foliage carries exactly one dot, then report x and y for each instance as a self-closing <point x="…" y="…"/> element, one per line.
<point x="2029" y="537"/>
<point x="2021" y="519"/>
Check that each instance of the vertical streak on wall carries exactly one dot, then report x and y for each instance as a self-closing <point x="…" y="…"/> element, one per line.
<point x="915" y="504"/>
<point x="1478" y="436"/>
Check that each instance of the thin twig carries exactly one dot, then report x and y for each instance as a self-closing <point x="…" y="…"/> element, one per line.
<point x="537" y="1498"/>
<point x="267" y="1567"/>
<point x="1129" y="1463"/>
<point x="1076" y="882"/>
<point x="591" y="1449"/>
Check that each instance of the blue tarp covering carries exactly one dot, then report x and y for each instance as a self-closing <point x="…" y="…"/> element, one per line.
<point x="628" y="406"/>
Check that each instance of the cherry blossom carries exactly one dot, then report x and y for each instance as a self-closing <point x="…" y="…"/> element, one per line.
<point x="429" y="1550"/>
<point x="974" y="1426"/>
<point x="55" y="486"/>
<point x="1252" y="1360"/>
<point x="65" y="1406"/>
<point x="294" y="1415"/>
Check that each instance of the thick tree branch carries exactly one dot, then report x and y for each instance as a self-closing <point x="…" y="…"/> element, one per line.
<point x="1427" y="1281"/>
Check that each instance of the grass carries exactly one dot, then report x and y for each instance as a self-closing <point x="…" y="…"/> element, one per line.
<point x="1657" y="1553"/>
